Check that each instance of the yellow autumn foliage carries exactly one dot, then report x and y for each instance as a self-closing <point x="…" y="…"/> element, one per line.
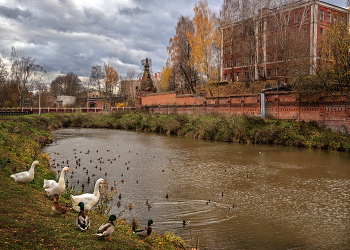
<point x="205" y="43"/>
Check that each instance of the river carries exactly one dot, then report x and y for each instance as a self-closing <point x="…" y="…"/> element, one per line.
<point x="283" y="197"/>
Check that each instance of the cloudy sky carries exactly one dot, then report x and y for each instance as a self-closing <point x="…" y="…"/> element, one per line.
<point x="74" y="35"/>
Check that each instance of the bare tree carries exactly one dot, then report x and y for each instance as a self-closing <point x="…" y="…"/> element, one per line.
<point x="69" y="84"/>
<point x="97" y="74"/>
<point x="3" y="84"/>
<point x="25" y="73"/>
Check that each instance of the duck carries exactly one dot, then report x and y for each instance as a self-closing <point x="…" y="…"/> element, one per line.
<point x="59" y="208"/>
<point x="142" y="232"/>
<point x="52" y="187"/>
<point x="106" y="229"/>
<point x="89" y="200"/>
<point x="25" y="176"/>
<point x="184" y="222"/>
<point x="83" y="222"/>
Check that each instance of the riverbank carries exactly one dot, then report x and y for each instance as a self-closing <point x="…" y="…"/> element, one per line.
<point x="25" y="211"/>
<point x="220" y="127"/>
<point x="27" y="221"/>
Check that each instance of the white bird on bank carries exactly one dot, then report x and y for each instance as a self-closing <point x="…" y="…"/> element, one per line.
<point x="26" y="176"/>
<point x="89" y="200"/>
<point x="52" y="187"/>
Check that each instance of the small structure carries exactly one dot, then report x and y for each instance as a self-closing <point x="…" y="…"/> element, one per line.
<point x="65" y="100"/>
<point x="146" y="85"/>
<point x="104" y="103"/>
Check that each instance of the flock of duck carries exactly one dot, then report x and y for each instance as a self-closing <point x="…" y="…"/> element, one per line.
<point x="81" y="203"/>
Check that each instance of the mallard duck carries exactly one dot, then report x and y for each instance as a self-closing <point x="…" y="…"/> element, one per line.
<point x="83" y="222"/>
<point x="57" y="207"/>
<point x="106" y="229"/>
<point x="52" y="187"/>
<point x="142" y="232"/>
<point x="184" y="222"/>
<point x="89" y="200"/>
<point x="26" y="176"/>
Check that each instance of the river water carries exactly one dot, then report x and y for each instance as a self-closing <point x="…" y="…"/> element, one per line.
<point x="283" y="197"/>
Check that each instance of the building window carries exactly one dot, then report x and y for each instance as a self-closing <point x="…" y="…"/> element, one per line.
<point x="268" y="73"/>
<point x="246" y="61"/>
<point x="238" y="48"/>
<point x="237" y="76"/>
<point x="231" y="77"/>
<point x="225" y="77"/>
<point x="306" y="33"/>
<point x="238" y="62"/>
<point x="268" y="58"/>
<point x="260" y="43"/>
<point x="296" y="18"/>
<point x="269" y="25"/>
<point x="276" y="72"/>
<point x="231" y="64"/>
<point x="321" y="31"/>
<point x="328" y="17"/>
<point x="335" y="19"/>
<point x="246" y="30"/>
<point x="246" y="75"/>
<point x="261" y="27"/>
<point x="307" y="14"/>
<point x="321" y="15"/>
<point x="261" y="57"/>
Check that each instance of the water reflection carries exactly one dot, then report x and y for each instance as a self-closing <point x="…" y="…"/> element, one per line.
<point x="284" y="198"/>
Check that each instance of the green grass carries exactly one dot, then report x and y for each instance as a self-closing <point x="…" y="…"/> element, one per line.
<point x="27" y="221"/>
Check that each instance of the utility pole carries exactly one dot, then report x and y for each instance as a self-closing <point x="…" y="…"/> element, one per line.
<point x="39" y="103"/>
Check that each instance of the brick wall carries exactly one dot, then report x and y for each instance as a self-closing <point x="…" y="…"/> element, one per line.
<point x="331" y="112"/>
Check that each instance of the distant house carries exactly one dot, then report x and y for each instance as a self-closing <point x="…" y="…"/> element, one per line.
<point x="65" y="100"/>
<point x="104" y="103"/>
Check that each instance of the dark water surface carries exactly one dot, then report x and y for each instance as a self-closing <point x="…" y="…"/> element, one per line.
<point x="283" y="197"/>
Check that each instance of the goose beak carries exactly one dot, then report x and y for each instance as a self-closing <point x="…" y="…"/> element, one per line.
<point x="104" y="182"/>
<point x="38" y="163"/>
<point x="68" y="169"/>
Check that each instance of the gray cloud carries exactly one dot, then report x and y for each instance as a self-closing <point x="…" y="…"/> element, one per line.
<point x="15" y="13"/>
<point x="132" y="11"/>
<point x="74" y="35"/>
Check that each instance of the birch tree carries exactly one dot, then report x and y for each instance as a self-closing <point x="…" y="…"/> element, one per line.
<point x="204" y="42"/>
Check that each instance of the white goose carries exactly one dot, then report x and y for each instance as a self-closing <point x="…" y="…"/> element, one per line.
<point x="89" y="200"/>
<point x="52" y="187"/>
<point x="26" y="176"/>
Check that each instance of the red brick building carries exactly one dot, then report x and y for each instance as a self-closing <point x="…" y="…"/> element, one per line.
<point x="268" y="44"/>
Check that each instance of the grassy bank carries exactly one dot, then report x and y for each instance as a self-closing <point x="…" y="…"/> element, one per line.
<point x="219" y="127"/>
<point x="27" y="221"/>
